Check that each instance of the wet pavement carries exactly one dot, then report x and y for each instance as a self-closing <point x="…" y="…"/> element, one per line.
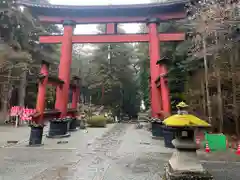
<point x="119" y="152"/>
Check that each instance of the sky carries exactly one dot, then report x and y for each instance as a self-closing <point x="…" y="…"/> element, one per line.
<point x="91" y="29"/>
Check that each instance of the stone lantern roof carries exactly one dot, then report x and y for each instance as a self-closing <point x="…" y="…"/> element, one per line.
<point x="185" y="120"/>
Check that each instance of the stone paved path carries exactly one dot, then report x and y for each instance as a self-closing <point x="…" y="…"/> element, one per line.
<point x="24" y="163"/>
<point x="10" y="133"/>
<point x="119" y="152"/>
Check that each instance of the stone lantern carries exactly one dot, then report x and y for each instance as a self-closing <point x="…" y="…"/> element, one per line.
<point x="184" y="164"/>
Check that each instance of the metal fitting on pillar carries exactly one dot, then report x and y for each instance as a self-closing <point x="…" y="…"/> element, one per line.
<point x="69" y="23"/>
<point x="153" y="20"/>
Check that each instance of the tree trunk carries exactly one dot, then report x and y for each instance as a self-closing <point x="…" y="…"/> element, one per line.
<point x="219" y="88"/>
<point x="234" y="89"/>
<point x="203" y="97"/>
<point x="219" y="97"/>
<point x="187" y="89"/>
<point x="206" y="81"/>
<point x="22" y="87"/>
<point x="7" y="90"/>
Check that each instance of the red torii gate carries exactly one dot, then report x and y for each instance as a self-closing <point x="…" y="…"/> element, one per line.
<point x="69" y="16"/>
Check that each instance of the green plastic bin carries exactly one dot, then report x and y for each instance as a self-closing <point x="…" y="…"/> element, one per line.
<point x="216" y="142"/>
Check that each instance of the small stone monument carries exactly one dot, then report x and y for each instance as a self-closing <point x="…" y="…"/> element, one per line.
<point x="184" y="164"/>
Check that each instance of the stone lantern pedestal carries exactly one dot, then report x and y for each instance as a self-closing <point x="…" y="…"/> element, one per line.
<point x="184" y="163"/>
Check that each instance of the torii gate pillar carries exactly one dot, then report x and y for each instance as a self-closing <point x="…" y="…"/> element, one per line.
<point x="65" y="68"/>
<point x="40" y="106"/>
<point x="154" y="54"/>
<point x="160" y="100"/>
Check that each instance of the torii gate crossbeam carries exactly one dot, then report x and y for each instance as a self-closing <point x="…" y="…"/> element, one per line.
<point x="124" y="38"/>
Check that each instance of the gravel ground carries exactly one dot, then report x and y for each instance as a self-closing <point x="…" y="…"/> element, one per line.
<point x="24" y="163"/>
<point x="119" y="153"/>
<point x="223" y="170"/>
